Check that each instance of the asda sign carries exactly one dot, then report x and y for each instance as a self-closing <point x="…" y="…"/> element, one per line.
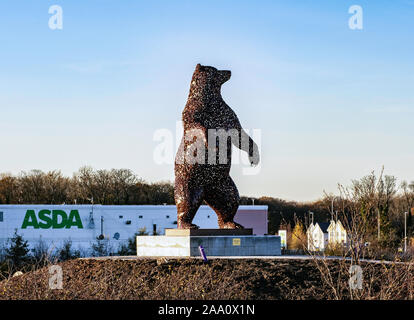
<point x="55" y="219"/>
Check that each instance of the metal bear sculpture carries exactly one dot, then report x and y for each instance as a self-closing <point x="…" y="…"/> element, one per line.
<point x="203" y="161"/>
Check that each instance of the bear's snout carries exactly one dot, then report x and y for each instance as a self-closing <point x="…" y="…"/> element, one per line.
<point x="225" y="75"/>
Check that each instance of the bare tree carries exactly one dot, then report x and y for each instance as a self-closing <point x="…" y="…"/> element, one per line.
<point x="123" y="179"/>
<point x="56" y="187"/>
<point x="85" y="178"/>
<point x="103" y="184"/>
<point x="8" y="188"/>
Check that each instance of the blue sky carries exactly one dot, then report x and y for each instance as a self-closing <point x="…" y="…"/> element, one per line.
<point x="332" y="103"/>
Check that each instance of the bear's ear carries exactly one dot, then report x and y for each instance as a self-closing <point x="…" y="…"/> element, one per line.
<point x="199" y="67"/>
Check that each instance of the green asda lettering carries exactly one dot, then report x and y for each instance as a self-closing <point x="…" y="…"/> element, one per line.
<point x="55" y="219"/>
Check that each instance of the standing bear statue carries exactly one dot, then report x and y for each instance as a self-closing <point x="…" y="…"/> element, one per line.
<point x="203" y="160"/>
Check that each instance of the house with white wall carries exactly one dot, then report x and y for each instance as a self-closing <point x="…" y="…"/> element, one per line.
<point x="318" y="236"/>
<point x="337" y="233"/>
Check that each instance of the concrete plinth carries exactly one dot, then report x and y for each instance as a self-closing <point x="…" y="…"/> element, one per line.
<point x="214" y="245"/>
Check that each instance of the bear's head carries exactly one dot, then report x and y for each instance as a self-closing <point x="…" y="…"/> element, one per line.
<point x="208" y="79"/>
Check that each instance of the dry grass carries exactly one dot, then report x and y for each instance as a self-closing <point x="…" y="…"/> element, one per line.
<point x="193" y="279"/>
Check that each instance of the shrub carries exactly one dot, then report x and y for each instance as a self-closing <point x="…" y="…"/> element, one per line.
<point x="335" y="249"/>
<point x="141" y="232"/>
<point x="18" y="251"/>
<point x="298" y="241"/>
<point x="130" y="249"/>
<point x="101" y="248"/>
<point x="42" y="256"/>
<point x="66" y="253"/>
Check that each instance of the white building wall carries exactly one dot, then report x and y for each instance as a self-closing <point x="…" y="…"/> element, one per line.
<point x="122" y="221"/>
<point x="337" y="233"/>
<point x="317" y="239"/>
<point x="341" y="234"/>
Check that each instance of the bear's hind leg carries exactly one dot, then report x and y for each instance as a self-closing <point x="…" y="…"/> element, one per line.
<point x="187" y="200"/>
<point x="224" y="199"/>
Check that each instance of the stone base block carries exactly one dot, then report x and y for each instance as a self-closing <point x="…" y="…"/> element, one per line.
<point x="188" y="246"/>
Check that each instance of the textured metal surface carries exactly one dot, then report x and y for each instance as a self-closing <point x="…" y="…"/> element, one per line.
<point x="207" y="180"/>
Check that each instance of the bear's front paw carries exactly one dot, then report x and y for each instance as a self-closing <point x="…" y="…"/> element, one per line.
<point x="231" y="225"/>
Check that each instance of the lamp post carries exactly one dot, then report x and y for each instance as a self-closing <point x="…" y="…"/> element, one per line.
<point x="332" y="207"/>
<point x="310" y="234"/>
<point x="405" y="231"/>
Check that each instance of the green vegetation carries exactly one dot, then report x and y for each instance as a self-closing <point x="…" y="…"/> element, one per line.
<point x="66" y="253"/>
<point x="131" y="248"/>
<point x="17" y="253"/>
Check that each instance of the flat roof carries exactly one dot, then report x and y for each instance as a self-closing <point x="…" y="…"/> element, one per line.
<point x="145" y="206"/>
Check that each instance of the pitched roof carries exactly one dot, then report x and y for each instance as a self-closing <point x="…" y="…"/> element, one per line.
<point x="334" y="224"/>
<point x="324" y="226"/>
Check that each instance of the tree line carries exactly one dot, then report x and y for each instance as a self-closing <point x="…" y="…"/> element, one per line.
<point x="87" y="185"/>
<point x="375" y="205"/>
<point x="374" y="198"/>
<point x="124" y="187"/>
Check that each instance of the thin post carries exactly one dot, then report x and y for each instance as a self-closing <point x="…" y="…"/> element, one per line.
<point x="311" y="213"/>
<point x="379" y="224"/>
<point x="332" y="207"/>
<point x="405" y="231"/>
